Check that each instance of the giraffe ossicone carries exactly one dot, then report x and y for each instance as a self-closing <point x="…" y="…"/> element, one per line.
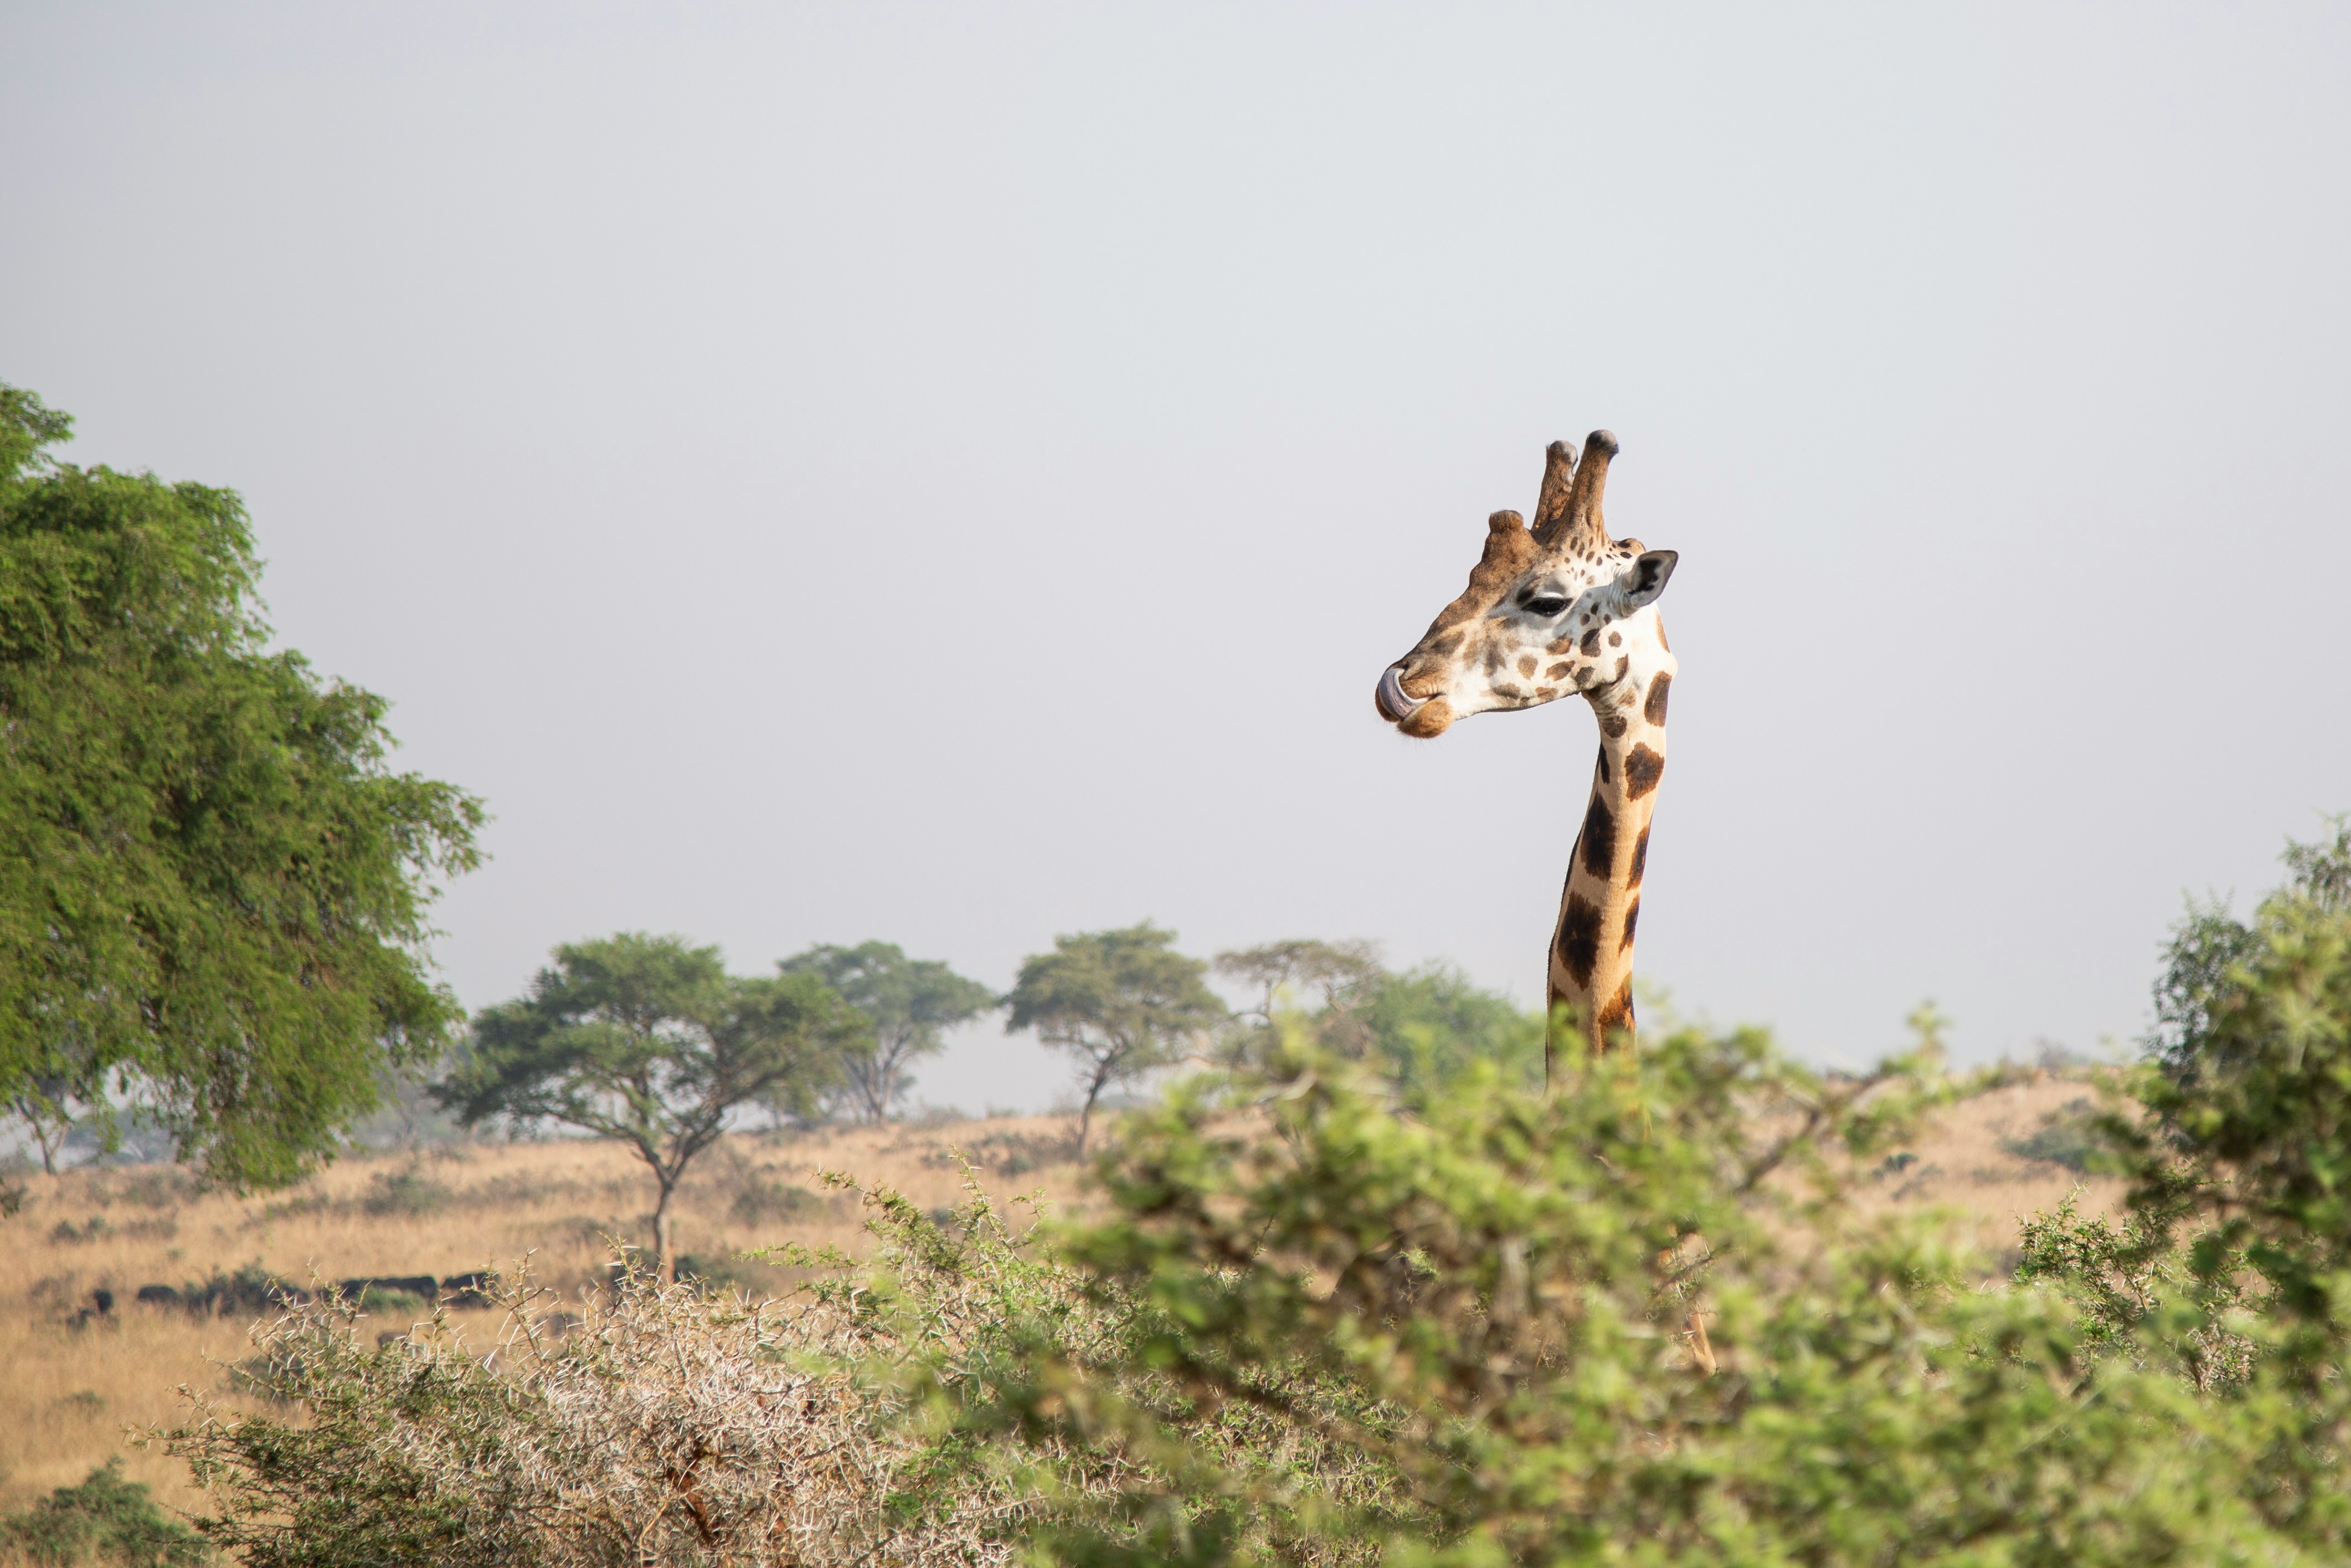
<point x="1554" y="610"/>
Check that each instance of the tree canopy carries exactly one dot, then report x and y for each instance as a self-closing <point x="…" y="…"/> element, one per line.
<point x="1120" y="1002"/>
<point x="213" y="888"/>
<point x="1419" y="1028"/>
<point x="2239" y="1145"/>
<point x="908" y="1001"/>
<point x="648" y="1040"/>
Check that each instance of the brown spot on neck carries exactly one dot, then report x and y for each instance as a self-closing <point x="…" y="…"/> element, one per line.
<point x="1579" y="938"/>
<point x="1654" y="710"/>
<point x="1596" y="845"/>
<point x="1643" y="768"/>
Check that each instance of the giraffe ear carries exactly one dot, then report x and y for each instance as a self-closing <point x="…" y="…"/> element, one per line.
<point x="1645" y="579"/>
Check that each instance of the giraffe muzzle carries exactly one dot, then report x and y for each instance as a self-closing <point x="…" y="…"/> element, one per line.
<point x="1395" y="706"/>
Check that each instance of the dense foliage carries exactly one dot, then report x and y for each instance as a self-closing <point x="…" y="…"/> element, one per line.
<point x="2236" y="1136"/>
<point x="212" y="888"/>
<point x="1323" y="1317"/>
<point x="648" y="1040"/>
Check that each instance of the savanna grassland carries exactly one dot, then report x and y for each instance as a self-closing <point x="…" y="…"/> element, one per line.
<point x="77" y="1379"/>
<point x="80" y="1384"/>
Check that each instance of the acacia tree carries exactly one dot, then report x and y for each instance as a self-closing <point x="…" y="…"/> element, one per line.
<point x="908" y="1001"/>
<point x="648" y="1040"/>
<point x="1341" y="973"/>
<point x="1120" y="1002"/>
<point x="211" y="886"/>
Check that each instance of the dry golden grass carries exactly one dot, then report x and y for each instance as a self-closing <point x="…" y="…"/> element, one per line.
<point x="1960" y="1164"/>
<point x="73" y="1387"/>
<point x="76" y="1381"/>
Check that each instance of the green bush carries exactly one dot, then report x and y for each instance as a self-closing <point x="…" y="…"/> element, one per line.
<point x="106" y="1519"/>
<point x="1323" y="1316"/>
<point x="1469" y="1337"/>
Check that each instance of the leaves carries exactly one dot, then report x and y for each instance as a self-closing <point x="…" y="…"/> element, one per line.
<point x="211" y="886"/>
<point x="1460" y="1334"/>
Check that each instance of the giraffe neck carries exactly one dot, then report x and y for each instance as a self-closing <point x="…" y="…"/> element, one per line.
<point x="1592" y="945"/>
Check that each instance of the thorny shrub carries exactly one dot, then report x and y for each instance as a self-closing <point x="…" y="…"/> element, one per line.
<point x="666" y="1425"/>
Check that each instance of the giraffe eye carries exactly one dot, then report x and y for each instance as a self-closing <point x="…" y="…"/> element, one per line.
<point x="1546" y="607"/>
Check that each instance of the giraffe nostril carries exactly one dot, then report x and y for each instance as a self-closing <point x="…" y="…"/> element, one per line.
<point x="1395" y="706"/>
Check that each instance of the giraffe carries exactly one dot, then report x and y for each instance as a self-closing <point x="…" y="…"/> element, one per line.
<point x="1550" y="610"/>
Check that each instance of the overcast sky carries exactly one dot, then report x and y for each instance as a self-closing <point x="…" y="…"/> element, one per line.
<point x="955" y="475"/>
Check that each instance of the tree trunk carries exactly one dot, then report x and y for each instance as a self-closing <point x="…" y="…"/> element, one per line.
<point x="1086" y="1116"/>
<point x="664" y="1242"/>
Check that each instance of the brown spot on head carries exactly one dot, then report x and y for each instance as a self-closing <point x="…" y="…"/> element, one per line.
<point x="1616" y="639"/>
<point x="1579" y="938"/>
<point x="1561" y="647"/>
<point x="1592" y="641"/>
<point x="1558" y="670"/>
<point x="1596" y="845"/>
<point x="1640" y="858"/>
<point x="1632" y="918"/>
<point x="1613" y="726"/>
<point x="1643" y="768"/>
<point x="1614" y="1024"/>
<point x="1526" y="664"/>
<point x="1654" y="709"/>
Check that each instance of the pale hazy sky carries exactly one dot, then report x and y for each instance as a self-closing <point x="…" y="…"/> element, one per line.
<point x="955" y="475"/>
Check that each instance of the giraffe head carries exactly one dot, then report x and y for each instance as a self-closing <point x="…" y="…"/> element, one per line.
<point x="1551" y="611"/>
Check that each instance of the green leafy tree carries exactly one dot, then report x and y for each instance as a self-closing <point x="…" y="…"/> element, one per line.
<point x="1419" y="1028"/>
<point x="1300" y="974"/>
<point x="212" y="887"/>
<point x="648" y="1040"/>
<point x="1428" y="1025"/>
<point x="2239" y="1145"/>
<point x="908" y="1001"/>
<point x="1120" y="1002"/>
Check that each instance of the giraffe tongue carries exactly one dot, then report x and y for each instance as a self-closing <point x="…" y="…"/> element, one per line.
<point x="1393" y="702"/>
